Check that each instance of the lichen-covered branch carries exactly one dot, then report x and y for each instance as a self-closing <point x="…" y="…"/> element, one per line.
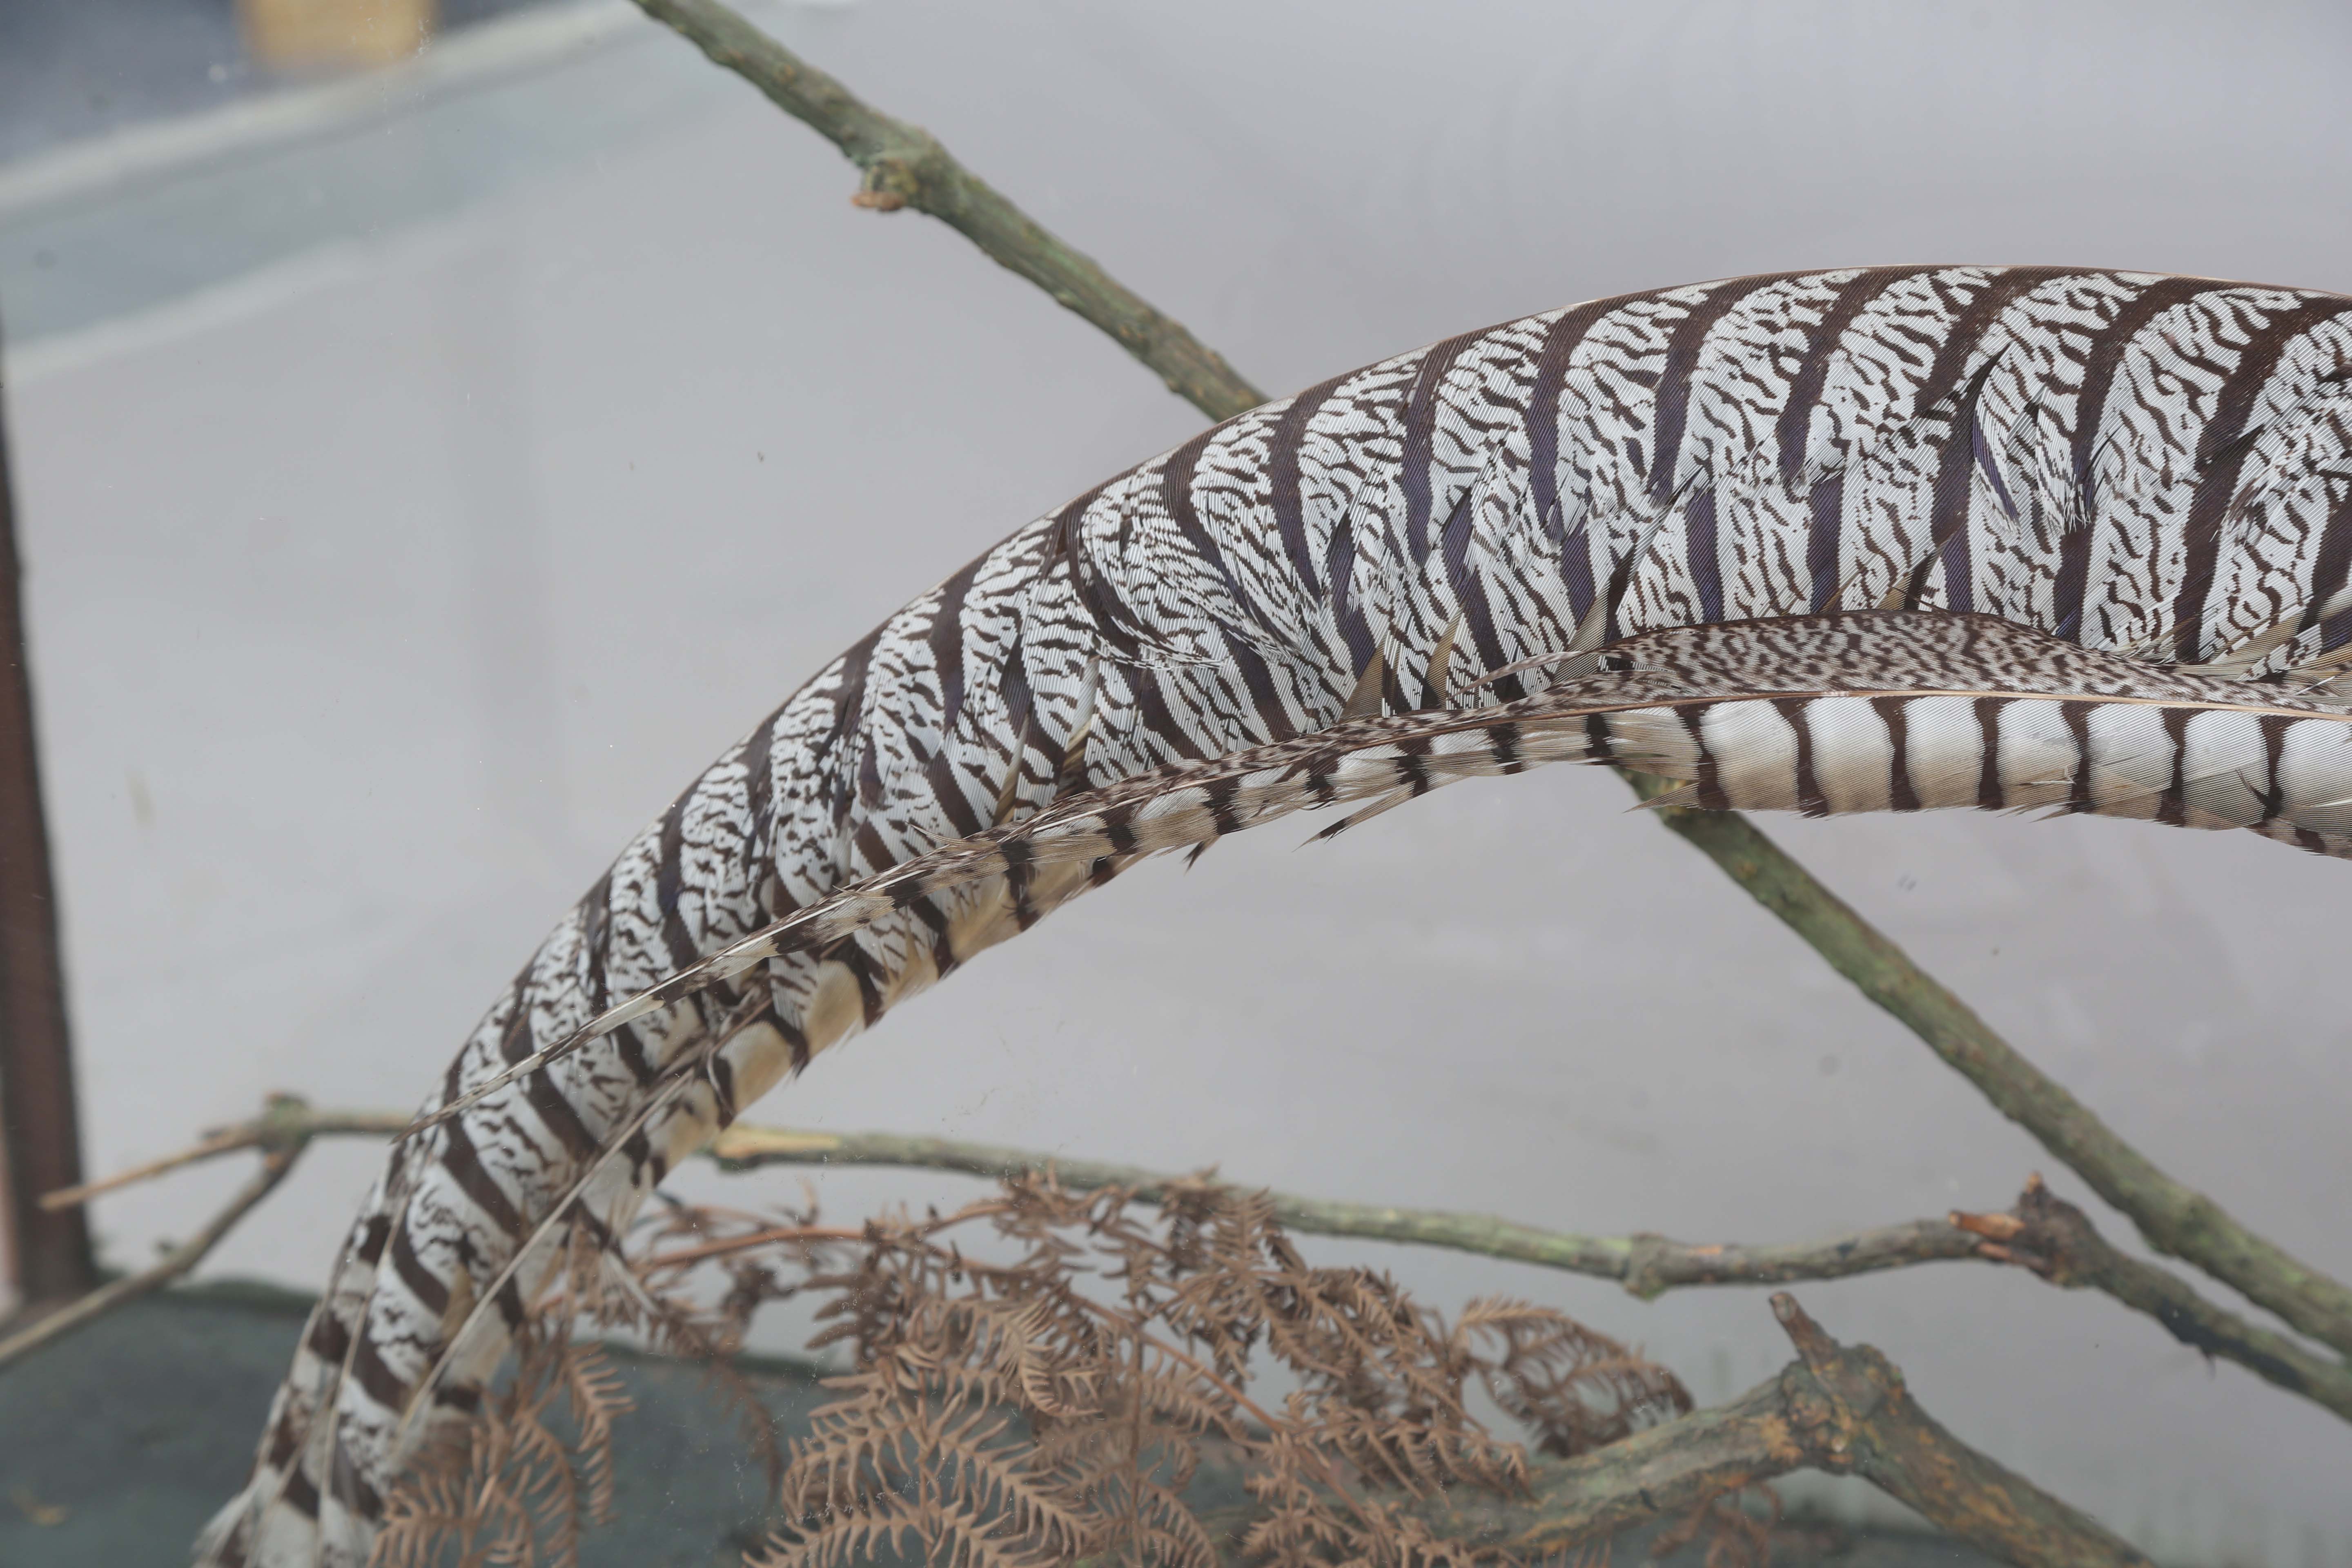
<point x="2175" y="1218"/>
<point x="2044" y="1233"/>
<point x="1847" y="1410"/>
<point x="905" y="166"/>
<point x="2052" y="1237"/>
<point x="1647" y="1265"/>
<point x="1837" y="1408"/>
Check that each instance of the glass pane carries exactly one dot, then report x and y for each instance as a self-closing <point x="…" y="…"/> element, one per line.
<point x="436" y="432"/>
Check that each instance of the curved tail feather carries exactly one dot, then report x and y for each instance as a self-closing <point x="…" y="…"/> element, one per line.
<point x="1885" y="710"/>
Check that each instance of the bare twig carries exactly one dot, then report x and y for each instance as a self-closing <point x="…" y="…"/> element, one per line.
<point x="285" y="1118"/>
<point x="906" y="167"/>
<point x="2175" y="1218"/>
<point x="282" y="1130"/>
<point x="226" y="1141"/>
<point x="2044" y="1235"/>
<point x="275" y="1164"/>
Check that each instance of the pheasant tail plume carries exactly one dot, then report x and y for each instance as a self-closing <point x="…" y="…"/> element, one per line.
<point x="1885" y="710"/>
<point x="2107" y="515"/>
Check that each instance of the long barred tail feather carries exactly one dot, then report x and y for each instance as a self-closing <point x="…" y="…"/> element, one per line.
<point x="2113" y="510"/>
<point x="1886" y="710"/>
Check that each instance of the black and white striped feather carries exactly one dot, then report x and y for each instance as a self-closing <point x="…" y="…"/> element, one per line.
<point x="1865" y="539"/>
<point x="1870" y="710"/>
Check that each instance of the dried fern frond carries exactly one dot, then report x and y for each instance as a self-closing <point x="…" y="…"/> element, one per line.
<point x="505" y="1489"/>
<point x="1036" y="1378"/>
<point x="1048" y="1386"/>
<point x="1553" y="1375"/>
<point x="595" y="1396"/>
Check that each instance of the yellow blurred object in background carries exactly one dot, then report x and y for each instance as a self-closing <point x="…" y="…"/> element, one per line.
<point x="313" y="34"/>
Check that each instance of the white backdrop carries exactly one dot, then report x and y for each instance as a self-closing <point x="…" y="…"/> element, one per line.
<point x="389" y="573"/>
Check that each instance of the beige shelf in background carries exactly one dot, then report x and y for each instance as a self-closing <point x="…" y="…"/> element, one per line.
<point x="328" y="35"/>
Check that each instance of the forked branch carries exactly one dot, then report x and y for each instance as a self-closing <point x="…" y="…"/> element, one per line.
<point x="2175" y="1218"/>
<point x="282" y="1130"/>
<point x="1839" y="1408"/>
<point x="174" y="1265"/>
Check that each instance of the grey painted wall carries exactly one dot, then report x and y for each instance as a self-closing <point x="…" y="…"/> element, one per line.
<point x="414" y="504"/>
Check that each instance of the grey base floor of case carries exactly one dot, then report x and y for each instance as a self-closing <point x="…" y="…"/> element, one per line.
<point x="117" y="1442"/>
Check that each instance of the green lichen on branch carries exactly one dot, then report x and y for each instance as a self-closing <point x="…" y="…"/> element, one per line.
<point x="1838" y="1408"/>
<point x="1648" y="1265"/>
<point x="2042" y="1233"/>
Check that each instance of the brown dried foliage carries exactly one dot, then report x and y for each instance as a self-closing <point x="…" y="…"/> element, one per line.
<point x="514" y="1486"/>
<point x="1037" y="1377"/>
<point x="506" y="1487"/>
